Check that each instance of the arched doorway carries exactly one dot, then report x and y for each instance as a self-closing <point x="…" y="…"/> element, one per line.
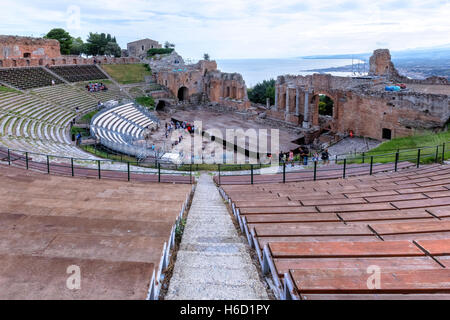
<point x="160" y="106"/>
<point x="326" y="105"/>
<point x="183" y="94"/>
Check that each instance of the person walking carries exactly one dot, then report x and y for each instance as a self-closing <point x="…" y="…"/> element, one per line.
<point x="325" y="156"/>
<point x="305" y="154"/>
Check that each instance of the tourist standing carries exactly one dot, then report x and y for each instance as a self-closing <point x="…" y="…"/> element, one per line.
<point x="325" y="156"/>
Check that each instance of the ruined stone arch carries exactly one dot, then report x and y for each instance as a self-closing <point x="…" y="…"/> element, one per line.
<point x="315" y="99"/>
<point x="183" y="94"/>
<point x="160" y="105"/>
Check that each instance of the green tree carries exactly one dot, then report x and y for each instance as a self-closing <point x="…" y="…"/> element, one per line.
<point x="325" y="105"/>
<point x="64" y="38"/>
<point x="113" y="49"/>
<point x="261" y="91"/>
<point x="97" y="44"/>
<point x="168" y="45"/>
<point x="78" y="46"/>
<point x="206" y="57"/>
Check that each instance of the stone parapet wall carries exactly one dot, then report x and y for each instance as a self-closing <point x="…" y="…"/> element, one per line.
<point x="64" y="60"/>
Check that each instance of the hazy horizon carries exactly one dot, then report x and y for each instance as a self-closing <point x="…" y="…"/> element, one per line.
<point x="243" y="29"/>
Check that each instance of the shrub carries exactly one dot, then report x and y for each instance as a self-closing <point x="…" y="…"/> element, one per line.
<point x="146" y="101"/>
<point x="155" y="51"/>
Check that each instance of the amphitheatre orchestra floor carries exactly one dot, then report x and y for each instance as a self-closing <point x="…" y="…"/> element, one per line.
<point x="223" y="121"/>
<point x="114" y="231"/>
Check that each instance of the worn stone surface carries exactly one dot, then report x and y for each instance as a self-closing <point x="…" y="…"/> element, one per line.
<point x="213" y="261"/>
<point x="362" y="105"/>
<point x="30" y="52"/>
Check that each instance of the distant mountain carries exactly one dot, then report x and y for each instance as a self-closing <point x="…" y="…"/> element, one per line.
<point x="433" y="53"/>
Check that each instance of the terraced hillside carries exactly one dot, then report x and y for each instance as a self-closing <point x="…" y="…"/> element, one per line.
<point x="38" y="120"/>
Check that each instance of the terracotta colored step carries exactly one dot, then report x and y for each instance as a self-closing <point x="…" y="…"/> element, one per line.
<point x="422" y="203"/>
<point x="399" y="197"/>
<point x="409" y="181"/>
<point x="292" y="217"/>
<point x="387" y="264"/>
<point x="384" y="215"/>
<point x="412" y="227"/>
<point x="316" y="229"/>
<point x="260" y="210"/>
<point x="389" y="187"/>
<point x="418" y="236"/>
<point x="438" y="194"/>
<point x="436" y="247"/>
<point x="316" y="196"/>
<point x="344" y="249"/>
<point x="356" y="207"/>
<point x="44" y="278"/>
<point x="264" y="240"/>
<point x="440" y="212"/>
<point x="429" y="296"/>
<point x="355" y="281"/>
<point x="372" y="194"/>
<point x="421" y="190"/>
<point x="266" y="203"/>
<point x="320" y="202"/>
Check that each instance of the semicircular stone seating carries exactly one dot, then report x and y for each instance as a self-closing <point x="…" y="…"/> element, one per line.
<point x="38" y="120"/>
<point x="121" y="124"/>
<point x="385" y="236"/>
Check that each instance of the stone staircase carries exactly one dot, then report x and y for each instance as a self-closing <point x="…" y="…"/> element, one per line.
<point x="213" y="261"/>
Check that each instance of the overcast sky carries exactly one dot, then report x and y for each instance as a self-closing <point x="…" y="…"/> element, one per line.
<point x="242" y="28"/>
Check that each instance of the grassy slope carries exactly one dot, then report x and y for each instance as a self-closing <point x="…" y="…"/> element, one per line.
<point x="427" y="142"/>
<point x="7" y="89"/>
<point x="127" y="73"/>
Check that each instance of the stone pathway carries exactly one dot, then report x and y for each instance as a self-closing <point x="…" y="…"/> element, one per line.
<point x="213" y="261"/>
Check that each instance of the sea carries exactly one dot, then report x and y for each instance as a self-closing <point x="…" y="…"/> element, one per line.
<point x="257" y="70"/>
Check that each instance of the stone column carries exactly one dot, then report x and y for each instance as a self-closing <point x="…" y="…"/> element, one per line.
<point x="297" y="101"/>
<point x="287" y="100"/>
<point x="276" y="98"/>
<point x="306" y="115"/>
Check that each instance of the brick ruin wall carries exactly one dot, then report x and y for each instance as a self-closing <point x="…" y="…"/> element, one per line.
<point x="34" y="52"/>
<point x="204" y="83"/>
<point x="361" y="104"/>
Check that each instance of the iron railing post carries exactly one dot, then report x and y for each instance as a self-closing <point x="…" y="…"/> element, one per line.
<point x="345" y="167"/>
<point x="363" y="157"/>
<point x="396" y="160"/>
<point x="443" y="152"/>
<point x="159" y="172"/>
<point x="9" y="157"/>
<point x="251" y="171"/>
<point x="371" y="165"/>
<point x="284" y="172"/>
<point x="418" y="158"/>
<point x="190" y="173"/>
<point x="128" y="170"/>
<point x="71" y="164"/>
<point x="26" y="159"/>
<point x="437" y="154"/>
<point x="99" y="169"/>
<point x="48" y="164"/>
<point x="315" y="170"/>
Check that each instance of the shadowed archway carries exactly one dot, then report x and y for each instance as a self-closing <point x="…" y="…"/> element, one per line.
<point x="183" y="94"/>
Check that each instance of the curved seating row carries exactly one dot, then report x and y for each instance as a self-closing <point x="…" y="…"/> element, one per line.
<point x="118" y="234"/>
<point x="121" y="124"/>
<point x="385" y="236"/>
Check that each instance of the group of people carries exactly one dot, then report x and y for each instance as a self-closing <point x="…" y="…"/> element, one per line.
<point x="304" y="155"/>
<point x="184" y="126"/>
<point x="95" y="87"/>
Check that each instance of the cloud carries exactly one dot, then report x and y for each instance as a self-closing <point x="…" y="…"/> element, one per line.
<point x="245" y="28"/>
